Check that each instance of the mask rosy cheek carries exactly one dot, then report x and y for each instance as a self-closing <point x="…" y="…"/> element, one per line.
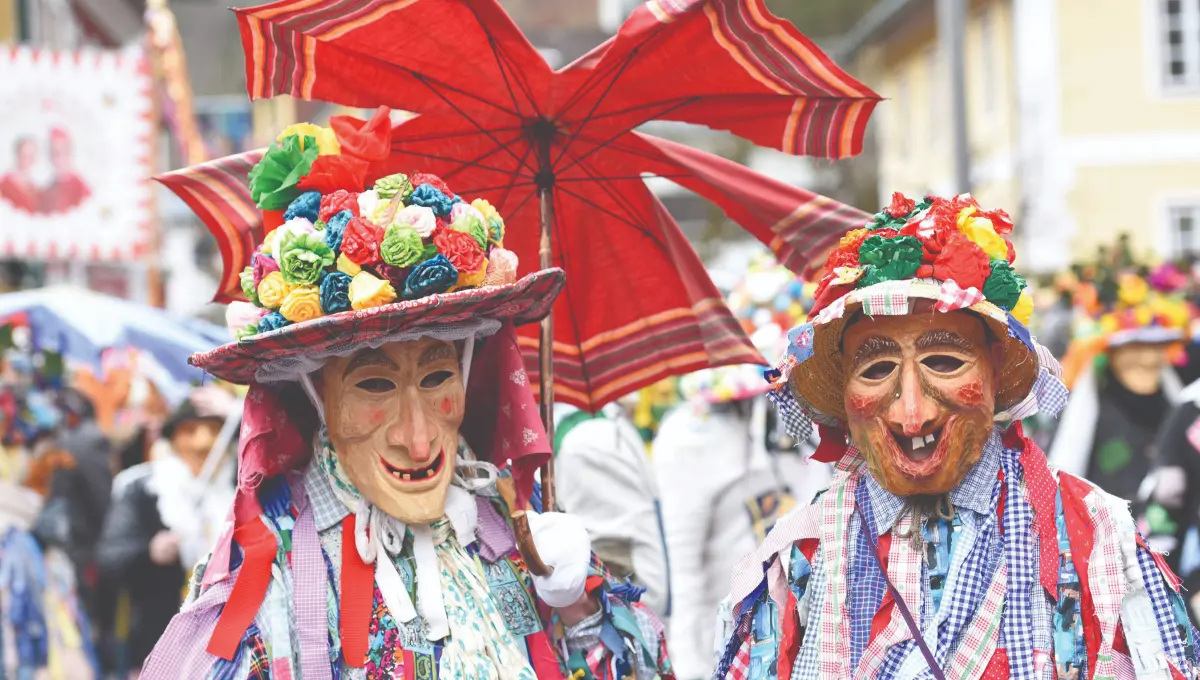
<point x="447" y="406"/>
<point x="970" y="394"/>
<point x="863" y="405"/>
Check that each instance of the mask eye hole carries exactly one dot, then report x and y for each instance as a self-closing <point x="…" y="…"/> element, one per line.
<point x="376" y="385"/>
<point x="942" y="363"/>
<point x="878" y="370"/>
<point x="435" y="379"/>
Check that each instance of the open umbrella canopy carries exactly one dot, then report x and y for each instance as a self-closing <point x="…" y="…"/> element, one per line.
<point x="496" y="121"/>
<point x="80" y="324"/>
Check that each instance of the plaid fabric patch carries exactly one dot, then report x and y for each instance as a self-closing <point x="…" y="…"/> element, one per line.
<point x="1164" y="615"/>
<point x="982" y="635"/>
<point x="740" y="669"/>
<point x="884" y="653"/>
<point x="887" y="299"/>
<point x="1021" y="556"/>
<point x="952" y="297"/>
<point x="867" y="583"/>
<point x="1106" y="579"/>
<point x="796" y="420"/>
<point x="1048" y="396"/>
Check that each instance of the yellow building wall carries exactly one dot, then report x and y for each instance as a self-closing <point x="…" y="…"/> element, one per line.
<point x="8" y="21"/>
<point x="1107" y="201"/>
<point x="1110" y="71"/>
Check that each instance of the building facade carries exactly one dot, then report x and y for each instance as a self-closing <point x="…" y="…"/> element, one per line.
<point x="1083" y="117"/>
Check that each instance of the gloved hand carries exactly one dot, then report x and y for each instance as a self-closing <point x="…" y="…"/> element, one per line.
<point x="563" y="544"/>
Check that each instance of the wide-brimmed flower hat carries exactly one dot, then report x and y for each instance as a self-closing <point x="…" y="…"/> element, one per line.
<point x="948" y="253"/>
<point x="351" y="260"/>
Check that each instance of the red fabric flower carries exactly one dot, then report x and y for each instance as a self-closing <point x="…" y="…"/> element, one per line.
<point x="370" y="141"/>
<point x="360" y="242"/>
<point x="827" y="293"/>
<point x="963" y="262"/>
<point x="842" y="258"/>
<point x="901" y="205"/>
<point x="432" y="180"/>
<point x="334" y="172"/>
<point x="1012" y="253"/>
<point x="334" y="203"/>
<point x="1000" y="220"/>
<point x="460" y="248"/>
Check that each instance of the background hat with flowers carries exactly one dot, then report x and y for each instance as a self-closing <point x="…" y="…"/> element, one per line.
<point x="949" y="251"/>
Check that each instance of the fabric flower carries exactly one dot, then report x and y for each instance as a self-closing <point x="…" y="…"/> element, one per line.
<point x="1132" y="290"/>
<point x="501" y="268"/>
<point x="326" y="141"/>
<point x="239" y="314"/>
<point x="1023" y="310"/>
<point x="295" y="226"/>
<point x="963" y="262"/>
<point x="889" y="259"/>
<point x="272" y="322"/>
<point x="303" y="259"/>
<point x="302" y="304"/>
<point x="360" y="241"/>
<point x="1000" y="220"/>
<point x="332" y="204"/>
<point x="335" y="292"/>
<point x="470" y="223"/>
<point x="272" y="290"/>
<point x="853" y="239"/>
<point x="306" y="205"/>
<point x="249" y="285"/>
<point x="335" y="229"/>
<point x="435" y="275"/>
<point x="418" y="217"/>
<point x="1004" y="285"/>
<point x="387" y="187"/>
<point x="401" y="247"/>
<point x="901" y="206"/>
<point x="333" y="173"/>
<point x="273" y="180"/>
<point x="430" y="197"/>
<point x="372" y="207"/>
<point x="247" y="331"/>
<point x="348" y="266"/>
<point x="462" y="250"/>
<point x="491" y="218"/>
<point x="432" y="180"/>
<point x="979" y="229"/>
<point x="263" y="265"/>
<point x="393" y="275"/>
<point x="367" y="290"/>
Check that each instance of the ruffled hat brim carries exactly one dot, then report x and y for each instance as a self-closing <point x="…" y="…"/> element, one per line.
<point x="528" y="300"/>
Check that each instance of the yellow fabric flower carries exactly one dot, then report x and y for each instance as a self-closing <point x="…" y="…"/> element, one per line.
<point x="1109" y="324"/>
<point x="472" y="279"/>
<point x="327" y="143"/>
<point x="1132" y="290"/>
<point x="302" y="304"/>
<point x="982" y="234"/>
<point x="272" y="290"/>
<point x="1142" y="315"/>
<point x="851" y="238"/>
<point x="347" y="266"/>
<point x="367" y="290"/>
<point x="1023" y="310"/>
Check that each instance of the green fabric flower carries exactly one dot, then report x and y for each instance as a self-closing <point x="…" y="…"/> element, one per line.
<point x="1004" y="285"/>
<point x="388" y="187"/>
<point x="246" y="279"/>
<point x="402" y="246"/>
<point x="431" y="251"/>
<point x="470" y="224"/>
<point x="888" y="259"/>
<point x="245" y="332"/>
<point x="273" y="180"/>
<point x="303" y="258"/>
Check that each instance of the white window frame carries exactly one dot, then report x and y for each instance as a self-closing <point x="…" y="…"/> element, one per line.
<point x="1177" y="212"/>
<point x="1188" y="22"/>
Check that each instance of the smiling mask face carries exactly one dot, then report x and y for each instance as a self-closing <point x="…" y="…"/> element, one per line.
<point x="920" y="395"/>
<point x="393" y="416"/>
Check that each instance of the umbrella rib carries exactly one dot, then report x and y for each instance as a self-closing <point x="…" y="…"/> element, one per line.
<point x="499" y="62"/>
<point x="587" y="85"/>
<point x="608" y="141"/>
<point x="614" y="178"/>
<point x="644" y="231"/>
<point x="520" y="205"/>
<point x="452" y="135"/>
<point x="586" y="119"/>
<point x="478" y="190"/>
<point x="617" y="197"/>
<point x="462" y="164"/>
<point x="471" y="120"/>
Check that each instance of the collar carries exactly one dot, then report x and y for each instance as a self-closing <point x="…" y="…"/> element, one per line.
<point x="972" y="493"/>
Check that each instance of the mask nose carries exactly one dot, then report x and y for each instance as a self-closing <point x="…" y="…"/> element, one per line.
<point x="412" y="429"/>
<point x="913" y="412"/>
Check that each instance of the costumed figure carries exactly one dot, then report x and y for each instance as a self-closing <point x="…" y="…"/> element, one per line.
<point x="726" y="477"/>
<point x="945" y="546"/>
<point x="1122" y="381"/>
<point x="603" y="476"/>
<point x="44" y="630"/>
<point x="166" y="515"/>
<point x="373" y="535"/>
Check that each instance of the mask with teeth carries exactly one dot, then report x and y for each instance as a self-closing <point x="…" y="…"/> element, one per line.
<point x="919" y="396"/>
<point x="393" y="416"/>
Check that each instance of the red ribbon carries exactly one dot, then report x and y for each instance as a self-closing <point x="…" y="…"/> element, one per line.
<point x="832" y="446"/>
<point x="258" y="552"/>
<point x="358" y="591"/>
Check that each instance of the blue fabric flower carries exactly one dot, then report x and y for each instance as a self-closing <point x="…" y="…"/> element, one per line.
<point x="335" y="228"/>
<point x="306" y="205"/>
<point x="335" y="292"/>
<point x="272" y="322"/>
<point x="428" y="196"/>
<point x="435" y="275"/>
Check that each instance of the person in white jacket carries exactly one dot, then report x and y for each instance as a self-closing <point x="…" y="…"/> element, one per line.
<point x="603" y="476"/>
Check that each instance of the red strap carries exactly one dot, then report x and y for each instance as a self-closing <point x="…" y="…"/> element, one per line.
<point x="358" y="591"/>
<point x="410" y="665"/>
<point x="832" y="446"/>
<point x="258" y="552"/>
<point x="543" y="657"/>
<point x="1079" y="528"/>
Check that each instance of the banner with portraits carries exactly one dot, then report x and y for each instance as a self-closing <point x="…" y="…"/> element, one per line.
<point x="75" y="155"/>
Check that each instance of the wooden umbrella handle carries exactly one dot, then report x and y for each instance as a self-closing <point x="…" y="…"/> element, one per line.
<point x="520" y="522"/>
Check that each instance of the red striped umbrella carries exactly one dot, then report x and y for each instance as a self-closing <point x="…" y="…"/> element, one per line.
<point x="496" y="121"/>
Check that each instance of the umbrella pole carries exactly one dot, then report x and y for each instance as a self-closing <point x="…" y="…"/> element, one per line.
<point x="546" y="344"/>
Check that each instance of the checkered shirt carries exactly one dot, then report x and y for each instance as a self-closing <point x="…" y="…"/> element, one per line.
<point x="1164" y="615"/>
<point x="868" y="585"/>
<point x="1021" y="556"/>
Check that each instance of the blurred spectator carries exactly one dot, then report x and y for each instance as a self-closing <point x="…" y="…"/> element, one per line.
<point x="165" y="517"/>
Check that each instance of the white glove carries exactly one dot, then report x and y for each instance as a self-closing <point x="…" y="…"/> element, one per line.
<point x="563" y="544"/>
